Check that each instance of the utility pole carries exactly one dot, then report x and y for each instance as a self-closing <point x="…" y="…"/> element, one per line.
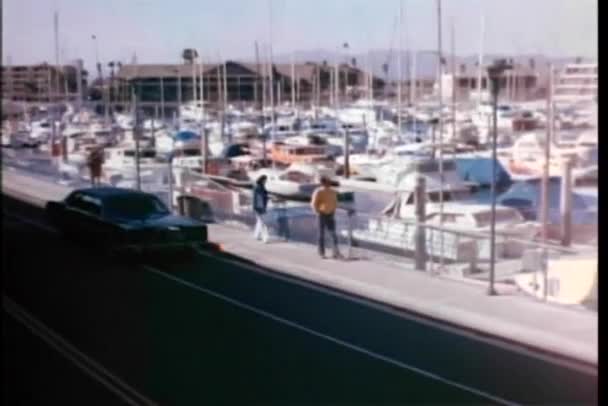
<point x="545" y="180"/>
<point x="495" y="74"/>
<point x="566" y="203"/>
<point x="420" y="201"/>
<point x="194" y="65"/>
<point x="440" y="88"/>
<point x="135" y="100"/>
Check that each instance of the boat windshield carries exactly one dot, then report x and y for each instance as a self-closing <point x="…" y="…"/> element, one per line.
<point x="142" y="154"/>
<point x="483" y="219"/>
<point x="433" y="166"/>
<point x="297" y="176"/>
<point x="134" y="207"/>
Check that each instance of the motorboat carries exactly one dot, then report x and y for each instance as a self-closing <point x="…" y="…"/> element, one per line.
<point x="528" y="152"/>
<point x="297" y="182"/>
<point x="287" y="154"/>
<point x="120" y="163"/>
<point x="462" y="225"/>
<point x="570" y="281"/>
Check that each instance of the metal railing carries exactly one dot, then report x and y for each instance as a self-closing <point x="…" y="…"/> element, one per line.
<point x="363" y="235"/>
<point x="368" y="233"/>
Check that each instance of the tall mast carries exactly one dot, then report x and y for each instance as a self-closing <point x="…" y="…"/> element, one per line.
<point x="370" y="78"/>
<point x="480" y="62"/>
<point x="201" y="68"/>
<point x="293" y="81"/>
<point x="56" y="32"/>
<point x="454" y="81"/>
<point x="218" y="83"/>
<point x="399" y="68"/>
<point x="272" y="130"/>
<point x="414" y="87"/>
<point x="262" y="73"/>
<point x="337" y="82"/>
<point x="225" y="73"/>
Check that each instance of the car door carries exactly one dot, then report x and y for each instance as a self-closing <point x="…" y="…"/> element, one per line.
<point x="83" y="217"/>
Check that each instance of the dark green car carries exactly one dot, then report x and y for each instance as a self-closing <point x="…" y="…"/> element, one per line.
<point x="118" y="220"/>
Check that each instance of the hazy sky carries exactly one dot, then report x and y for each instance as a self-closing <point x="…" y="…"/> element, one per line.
<point x="157" y="30"/>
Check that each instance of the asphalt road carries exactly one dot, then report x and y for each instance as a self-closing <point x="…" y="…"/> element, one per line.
<point x="209" y="330"/>
<point x="36" y="373"/>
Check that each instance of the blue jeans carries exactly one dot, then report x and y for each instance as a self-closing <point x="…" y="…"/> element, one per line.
<point x="327" y="221"/>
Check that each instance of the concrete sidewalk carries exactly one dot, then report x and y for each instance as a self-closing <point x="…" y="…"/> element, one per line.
<point x="524" y="321"/>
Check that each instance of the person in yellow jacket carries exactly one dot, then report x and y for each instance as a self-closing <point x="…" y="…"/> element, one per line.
<point x="324" y="203"/>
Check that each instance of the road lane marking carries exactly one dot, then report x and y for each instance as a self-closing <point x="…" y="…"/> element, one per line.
<point x="412" y="315"/>
<point x="387" y="308"/>
<point x="334" y="340"/>
<point x="77" y="357"/>
<point x="30" y="222"/>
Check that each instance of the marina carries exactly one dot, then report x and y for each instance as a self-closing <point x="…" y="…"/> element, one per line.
<point x="191" y="206"/>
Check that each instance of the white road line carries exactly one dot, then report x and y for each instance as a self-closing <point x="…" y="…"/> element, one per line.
<point x="334" y="340"/>
<point x="30" y="222"/>
<point x="93" y="369"/>
<point x="480" y="336"/>
<point x="462" y="330"/>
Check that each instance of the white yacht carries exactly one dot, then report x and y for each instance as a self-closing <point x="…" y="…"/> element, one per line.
<point x="297" y="182"/>
<point x="466" y="228"/>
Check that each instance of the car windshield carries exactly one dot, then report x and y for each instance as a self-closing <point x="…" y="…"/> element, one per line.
<point x="134" y="207"/>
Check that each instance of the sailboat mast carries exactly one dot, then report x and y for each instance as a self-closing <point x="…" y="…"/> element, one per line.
<point x="202" y="83"/>
<point x="399" y="67"/>
<point x="194" y="65"/>
<point x="454" y="81"/>
<point x="293" y="81"/>
<point x="225" y="85"/>
<point x="414" y="85"/>
<point x="480" y="62"/>
<point x="336" y="82"/>
<point x="370" y="78"/>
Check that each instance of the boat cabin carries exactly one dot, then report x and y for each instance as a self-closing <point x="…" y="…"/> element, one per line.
<point x="288" y="154"/>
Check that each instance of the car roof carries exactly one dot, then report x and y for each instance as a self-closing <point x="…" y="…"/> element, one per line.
<point x="105" y="192"/>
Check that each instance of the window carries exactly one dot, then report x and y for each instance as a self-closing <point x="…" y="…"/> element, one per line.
<point x="134" y="206"/>
<point x="84" y="203"/>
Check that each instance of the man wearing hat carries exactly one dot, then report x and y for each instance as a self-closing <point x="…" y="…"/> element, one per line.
<point x="324" y="202"/>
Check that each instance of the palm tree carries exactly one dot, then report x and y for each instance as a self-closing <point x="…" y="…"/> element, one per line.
<point x="189" y="55"/>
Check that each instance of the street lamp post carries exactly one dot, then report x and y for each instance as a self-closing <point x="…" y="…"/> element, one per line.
<point x="495" y="72"/>
<point x="98" y="65"/>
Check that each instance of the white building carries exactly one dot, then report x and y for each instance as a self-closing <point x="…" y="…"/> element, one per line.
<point x="575" y="83"/>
